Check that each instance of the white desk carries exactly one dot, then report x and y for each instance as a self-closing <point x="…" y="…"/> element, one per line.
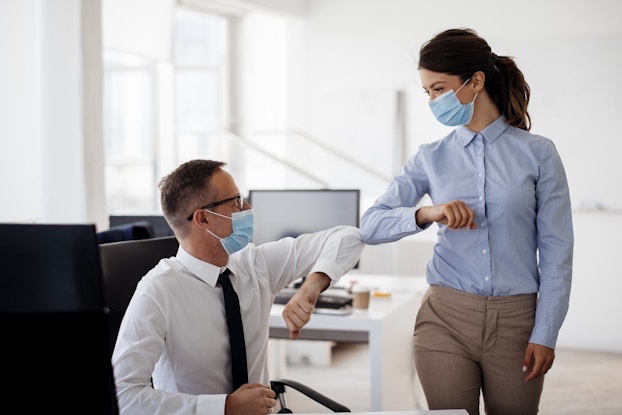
<point x="416" y="412"/>
<point x="388" y="328"/>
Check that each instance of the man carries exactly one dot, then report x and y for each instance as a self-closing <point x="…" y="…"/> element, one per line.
<point x="175" y="331"/>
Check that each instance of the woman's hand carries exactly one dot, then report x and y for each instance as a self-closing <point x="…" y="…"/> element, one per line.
<point x="538" y="360"/>
<point x="456" y="215"/>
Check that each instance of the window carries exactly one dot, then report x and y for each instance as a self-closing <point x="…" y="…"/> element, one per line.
<point x="200" y="81"/>
<point x="159" y="113"/>
<point x="129" y="130"/>
<point x="206" y="95"/>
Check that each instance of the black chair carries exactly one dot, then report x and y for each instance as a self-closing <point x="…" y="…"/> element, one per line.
<point x="127" y="232"/>
<point x="124" y="263"/>
<point x="278" y="386"/>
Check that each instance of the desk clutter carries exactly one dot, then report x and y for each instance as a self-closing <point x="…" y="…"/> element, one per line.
<point x="339" y="299"/>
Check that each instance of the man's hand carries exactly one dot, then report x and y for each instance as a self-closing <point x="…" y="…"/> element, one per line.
<point x="250" y="399"/>
<point x="456" y="215"/>
<point x="538" y="360"/>
<point x="298" y="310"/>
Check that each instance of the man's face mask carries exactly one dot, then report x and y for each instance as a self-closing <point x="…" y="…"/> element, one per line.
<point x="242" y="234"/>
<point x="448" y="109"/>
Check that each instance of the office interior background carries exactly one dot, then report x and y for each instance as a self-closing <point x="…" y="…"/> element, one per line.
<point x="101" y="98"/>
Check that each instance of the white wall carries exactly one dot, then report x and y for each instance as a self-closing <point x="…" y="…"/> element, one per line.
<point x="593" y="320"/>
<point x="19" y="147"/>
<point x="566" y="49"/>
<point x="570" y="52"/>
<point x="48" y="133"/>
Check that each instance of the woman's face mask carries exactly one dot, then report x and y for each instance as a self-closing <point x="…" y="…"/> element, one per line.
<point x="448" y="109"/>
<point x="242" y="234"/>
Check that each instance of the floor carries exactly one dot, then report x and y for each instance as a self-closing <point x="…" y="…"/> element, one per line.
<point x="581" y="382"/>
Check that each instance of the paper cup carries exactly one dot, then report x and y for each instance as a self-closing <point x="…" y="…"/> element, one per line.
<point x="360" y="297"/>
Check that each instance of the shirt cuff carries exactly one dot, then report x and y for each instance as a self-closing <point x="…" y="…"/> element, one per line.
<point x="211" y="404"/>
<point x="545" y="336"/>
<point x="330" y="268"/>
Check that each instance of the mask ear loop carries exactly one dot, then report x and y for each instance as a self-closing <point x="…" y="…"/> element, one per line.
<point x="465" y="82"/>
<point x="217" y="214"/>
<point x="214" y="235"/>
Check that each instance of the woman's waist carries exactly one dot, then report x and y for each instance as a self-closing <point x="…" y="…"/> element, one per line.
<point x="458" y="297"/>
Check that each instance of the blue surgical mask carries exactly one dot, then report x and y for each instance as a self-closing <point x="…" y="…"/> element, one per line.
<point x="448" y="109"/>
<point x="242" y="223"/>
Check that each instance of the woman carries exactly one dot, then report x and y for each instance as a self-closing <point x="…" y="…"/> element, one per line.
<point x="501" y="270"/>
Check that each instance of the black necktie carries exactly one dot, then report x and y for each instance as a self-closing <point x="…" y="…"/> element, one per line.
<point x="236" y="331"/>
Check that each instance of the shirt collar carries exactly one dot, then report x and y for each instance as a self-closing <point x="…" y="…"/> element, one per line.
<point x="203" y="270"/>
<point x="490" y="133"/>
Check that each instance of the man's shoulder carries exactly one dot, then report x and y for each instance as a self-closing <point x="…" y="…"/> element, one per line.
<point x="166" y="269"/>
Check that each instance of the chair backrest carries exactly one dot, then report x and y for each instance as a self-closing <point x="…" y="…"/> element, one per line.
<point x="124" y="264"/>
<point x="127" y="232"/>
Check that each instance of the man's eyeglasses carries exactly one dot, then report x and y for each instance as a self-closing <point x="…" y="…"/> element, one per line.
<point x="240" y="203"/>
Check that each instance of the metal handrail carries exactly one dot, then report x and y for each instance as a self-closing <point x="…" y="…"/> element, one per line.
<point x="319" y="143"/>
<point x="280" y="160"/>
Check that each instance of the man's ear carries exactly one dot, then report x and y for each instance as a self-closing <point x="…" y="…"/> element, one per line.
<point x="203" y="217"/>
<point x="200" y="217"/>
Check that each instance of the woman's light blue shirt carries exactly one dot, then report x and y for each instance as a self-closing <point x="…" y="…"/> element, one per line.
<point x="516" y="184"/>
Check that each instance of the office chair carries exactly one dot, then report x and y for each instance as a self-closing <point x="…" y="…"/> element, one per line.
<point x="124" y="263"/>
<point x="278" y="386"/>
<point x="127" y="232"/>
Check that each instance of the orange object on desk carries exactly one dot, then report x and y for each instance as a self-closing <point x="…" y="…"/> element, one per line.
<point x="381" y="294"/>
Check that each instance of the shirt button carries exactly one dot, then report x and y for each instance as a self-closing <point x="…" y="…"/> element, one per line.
<point x="486" y="278"/>
<point x="482" y="224"/>
<point x="484" y="251"/>
<point x="481" y="197"/>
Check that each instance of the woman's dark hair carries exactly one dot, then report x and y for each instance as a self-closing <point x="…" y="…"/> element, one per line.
<point x="185" y="189"/>
<point x="462" y="52"/>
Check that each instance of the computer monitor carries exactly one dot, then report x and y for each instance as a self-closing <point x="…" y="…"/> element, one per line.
<point x="281" y="213"/>
<point x="54" y="325"/>
<point x="49" y="268"/>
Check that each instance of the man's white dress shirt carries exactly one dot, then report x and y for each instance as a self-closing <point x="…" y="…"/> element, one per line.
<point x="175" y="328"/>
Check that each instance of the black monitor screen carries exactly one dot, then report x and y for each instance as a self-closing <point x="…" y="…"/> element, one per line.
<point x="281" y="213"/>
<point x="54" y="324"/>
<point x="49" y="268"/>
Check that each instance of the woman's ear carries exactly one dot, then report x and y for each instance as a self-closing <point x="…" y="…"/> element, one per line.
<point x="478" y="80"/>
